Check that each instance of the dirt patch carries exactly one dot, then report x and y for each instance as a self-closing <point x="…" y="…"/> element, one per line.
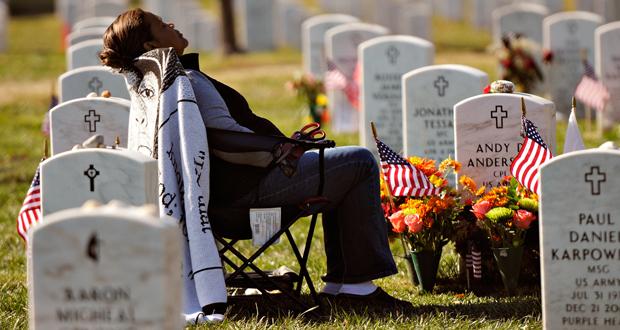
<point x="11" y="92"/>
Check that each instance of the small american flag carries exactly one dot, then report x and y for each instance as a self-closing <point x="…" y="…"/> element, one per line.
<point x="402" y="177"/>
<point x="533" y="153"/>
<point x="30" y="213"/>
<point x="336" y="79"/>
<point x="590" y="90"/>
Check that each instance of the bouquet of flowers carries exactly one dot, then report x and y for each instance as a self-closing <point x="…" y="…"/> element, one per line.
<point x="312" y="92"/>
<point x="426" y="222"/>
<point x="505" y="212"/>
<point x="516" y="56"/>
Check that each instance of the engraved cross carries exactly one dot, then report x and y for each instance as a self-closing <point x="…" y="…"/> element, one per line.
<point x="595" y="177"/>
<point x="95" y="85"/>
<point x="499" y="114"/>
<point x="441" y="84"/>
<point x="91" y="173"/>
<point x="392" y="54"/>
<point x="92" y="118"/>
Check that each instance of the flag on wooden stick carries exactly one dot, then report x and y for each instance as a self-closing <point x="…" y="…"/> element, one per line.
<point x="30" y="213"/>
<point x="590" y="90"/>
<point x="573" y="140"/>
<point x="533" y="153"/>
<point x="402" y="178"/>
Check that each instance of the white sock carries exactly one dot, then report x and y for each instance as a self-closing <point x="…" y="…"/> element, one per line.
<point x="200" y="318"/>
<point x="359" y="289"/>
<point x="331" y="288"/>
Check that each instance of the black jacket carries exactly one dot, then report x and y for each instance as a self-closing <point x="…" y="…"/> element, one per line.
<point x="231" y="181"/>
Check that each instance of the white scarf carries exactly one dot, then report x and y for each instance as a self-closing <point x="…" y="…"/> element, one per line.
<point x="165" y="123"/>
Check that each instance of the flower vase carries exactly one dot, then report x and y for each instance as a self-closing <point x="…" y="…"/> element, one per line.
<point x="509" y="264"/>
<point x="314" y="113"/>
<point x="426" y="264"/>
<point x="410" y="269"/>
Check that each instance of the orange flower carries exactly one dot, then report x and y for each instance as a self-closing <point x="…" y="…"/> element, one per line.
<point x="398" y="222"/>
<point x="468" y="183"/>
<point x="427" y="166"/>
<point x="449" y="163"/>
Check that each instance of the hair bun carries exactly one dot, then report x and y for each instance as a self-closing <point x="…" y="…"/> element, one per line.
<point x="109" y="57"/>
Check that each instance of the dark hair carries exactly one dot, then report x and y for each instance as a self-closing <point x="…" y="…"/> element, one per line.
<point x="124" y="39"/>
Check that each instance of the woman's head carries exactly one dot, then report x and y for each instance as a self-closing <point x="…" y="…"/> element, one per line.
<point x="135" y="32"/>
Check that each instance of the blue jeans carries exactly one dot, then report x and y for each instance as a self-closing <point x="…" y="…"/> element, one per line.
<point x="355" y="231"/>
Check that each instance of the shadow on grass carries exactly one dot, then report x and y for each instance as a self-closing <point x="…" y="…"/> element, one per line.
<point x="502" y="308"/>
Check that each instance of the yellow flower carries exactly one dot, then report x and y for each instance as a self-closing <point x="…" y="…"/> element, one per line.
<point x="436" y="181"/>
<point x="449" y="163"/>
<point x="468" y="183"/>
<point x="321" y="100"/>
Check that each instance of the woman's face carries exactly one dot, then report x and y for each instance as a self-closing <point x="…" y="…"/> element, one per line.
<point x="164" y="35"/>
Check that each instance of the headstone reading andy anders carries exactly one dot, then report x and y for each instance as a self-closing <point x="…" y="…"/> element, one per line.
<point x="429" y="95"/>
<point x="487" y="133"/>
<point x="105" y="268"/>
<point x="384" y="60"/>
<point x="85" y="53"/>
<point x="71" y="178"/>
<point x="313" y="40"/>
<point x="580" y="240"/>
<point x="75" y="121"/>
<point x="607" y="54"/>
<point x="567" y="35"/>
<point x="80" y="82"/>
<point x="341" y="48"/>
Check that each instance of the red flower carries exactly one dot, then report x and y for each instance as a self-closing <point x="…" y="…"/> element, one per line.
<point x="480" y="209"/>
<point x="547" y="56"/>
<point x="414" y="223"/>
<point x="523" y="218"/>
<point x="398" y="222"/>
<point x="487" y="89"/>
<point x="506" y="63"/>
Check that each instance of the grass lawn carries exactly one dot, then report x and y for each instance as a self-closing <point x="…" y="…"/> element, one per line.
<point x="28" y="72"/>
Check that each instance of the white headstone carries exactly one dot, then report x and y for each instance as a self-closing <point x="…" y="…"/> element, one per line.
<point x="74" y="121"/>
<point x="567" y="35"/>
<point x="86" y="53"/>
<point x="4" y="23"/>
<point x="384" y="60"/>
<point x="256" y="24"/>
<point x="416" y="20"/>
<point x="387" y="14"/>
<point x="487" y="133"/>
<point x="580" y="236"/>
<point x="93" y="33"/>
<point x="94" y="22"/>
<point x="313" y="40"/>
<point x="347" y="7"/>
<point x="103" y="8"/>
<point x="429" y="96"/>
<point x="341" y="48"/>
<point x="72" y="178"/>
<point x="105" y="268"/>
<point x="80" y="82"/>
<point x="450" y="9"/>
<point x="607" y="50"/>
<point x="289" y="19"/>
<point x="523" y="18"/>
<point x="207" y="32"/>
<point x="71" y="11"/>
<point x="481" y="11"/>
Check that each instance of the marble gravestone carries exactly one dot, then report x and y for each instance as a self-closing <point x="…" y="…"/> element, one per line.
<point x="80" y="82"/>
<point x="256" y="24"/>
<point x="607" y="54"/>
<point x="523" y="18"/>
<point x="480" y="14"/>
<point x="416" y="20"/>
<point x="93" y="33"/>
<point x="567" y="35"/>
<point x="487" y="131"/>
<point x="290" y="17"/>
<point x="4" y="24"/>
<point x="313" y="40"/>
<point x="429" y="96"/>
<point x="74" y="121"/>
<point x="206" y="28"/>
<point x="71" y="178"/>
<point x="93" y="22"/>
<point x="384" y="60"/>
<point x="580" y="236"/>
<point x="102" y="8"/>
<point x="105" y="268"/>
<point x="341" y="48"/>
<point x="450" y="9"/>
<point x="86" y="53"/>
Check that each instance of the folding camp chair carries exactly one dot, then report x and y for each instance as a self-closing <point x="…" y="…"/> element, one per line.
<point x="231" y="225"/>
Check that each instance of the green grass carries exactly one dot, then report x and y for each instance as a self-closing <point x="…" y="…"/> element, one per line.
<point x="27" y="74"/>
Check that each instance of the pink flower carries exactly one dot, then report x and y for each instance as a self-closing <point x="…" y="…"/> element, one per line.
<point x="480" y="209"/>
<point x="523" y="218"/>
<point x="414" y="223"/>
<point x="398" y="222"/>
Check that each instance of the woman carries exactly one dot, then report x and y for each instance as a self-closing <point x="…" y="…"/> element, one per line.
<point x="355" y="231"/>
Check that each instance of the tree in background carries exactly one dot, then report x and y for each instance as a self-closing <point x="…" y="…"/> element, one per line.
<point x="228" y="28"/>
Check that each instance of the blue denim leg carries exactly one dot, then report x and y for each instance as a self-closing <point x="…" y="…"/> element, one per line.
<point x="355" y="231"/>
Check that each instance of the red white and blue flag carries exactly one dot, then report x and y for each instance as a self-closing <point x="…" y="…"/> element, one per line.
<point x="591" y="91"/>
<point x="30" y="213"/>
<point x="336" y="79"/>
<point x="402" y="178"/>
<point x="533" y="153"/>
